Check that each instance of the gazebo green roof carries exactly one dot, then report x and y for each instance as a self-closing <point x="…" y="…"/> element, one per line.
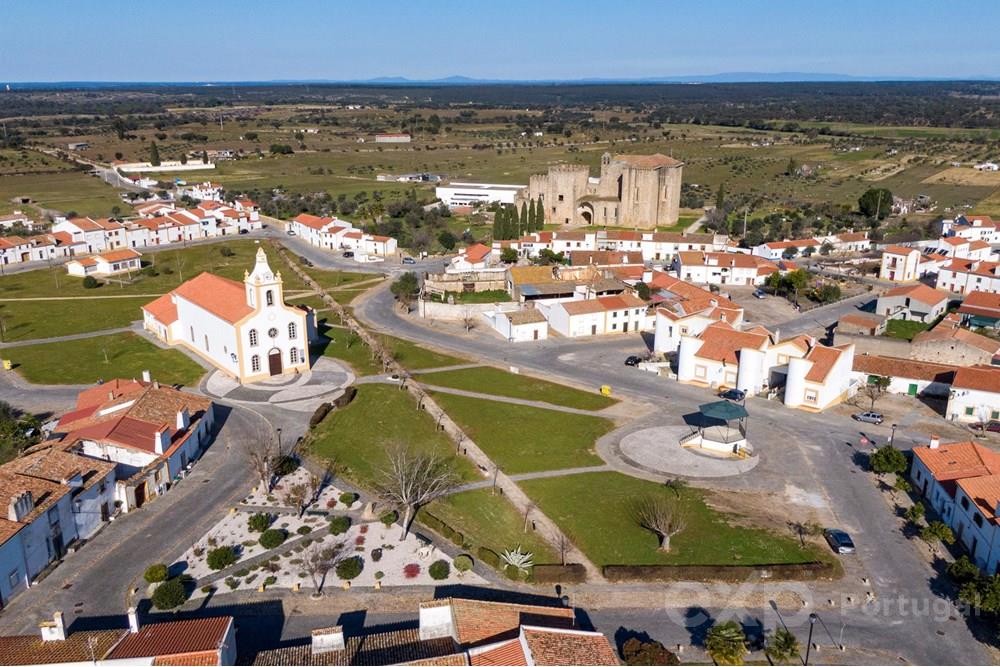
<point x="724" y="410"/>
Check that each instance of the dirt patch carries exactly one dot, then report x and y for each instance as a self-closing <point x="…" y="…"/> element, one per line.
<point x="770" y="511"/>
<point x="965" y="176"/>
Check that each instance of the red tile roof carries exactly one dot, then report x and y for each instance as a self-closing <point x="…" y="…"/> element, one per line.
<point x="899" y="250"/>
<point x="824" y="359"/>
<point x="568" y="647"/>
<point x="504" y="653"/>
<point x="904" y="368"/>
<point x="722" y="342"/>
<point x="173" y="638"/>
<point x="220" y="296"/>
<point x="920" y="292"/>
<point x="980" y="378"/>
<point x="958" y="460"/>
<point x="476" y="253"/>
<point x="985" y="492"/>
<point x="986" y="304"/>
<point x="163" y="309"/>
<point x="78" y="647"/>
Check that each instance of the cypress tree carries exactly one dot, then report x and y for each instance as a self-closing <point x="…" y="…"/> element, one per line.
<point x="532" y="216"/>
<point x="523" y="225"/>
<point x="154" y="154"/>
<point x="496" y="226"/>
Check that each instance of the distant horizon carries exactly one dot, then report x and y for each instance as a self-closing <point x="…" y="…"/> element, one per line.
<point x="59" y="41"/>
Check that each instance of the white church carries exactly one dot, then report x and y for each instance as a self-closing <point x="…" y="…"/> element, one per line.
<point x="244" y="329"/>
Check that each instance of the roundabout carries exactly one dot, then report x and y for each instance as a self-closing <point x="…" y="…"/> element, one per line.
<point x="658" y="451"/>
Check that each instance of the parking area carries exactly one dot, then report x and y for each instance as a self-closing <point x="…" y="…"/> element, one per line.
<point x="768" y="311"/>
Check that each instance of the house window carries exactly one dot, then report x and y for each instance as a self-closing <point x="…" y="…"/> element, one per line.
<point x="292" y="331"/>
<point x="253" y="338"/>
<point x="255" y="363"/>
<point x="977" y="519"/>
<point x="969" y="412"/>
<point x="192" y="334"/>
<point x="206" y="342"/>
<point x="560" y="198"/>
<point x="964" y="502"/>
<point x="700" y="371"/>
<point x="294" y="355"/>
<point x="995" y="414"/>
<point x="269" y="297"/>
<point x="14" y="578"/>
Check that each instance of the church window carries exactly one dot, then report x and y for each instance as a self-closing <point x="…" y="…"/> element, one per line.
<point x="291" y="331"/>
<point x="560" y="197"/>
<point x="255" y="363"/>
<point x="294" y="355"/>
<point x="269" y="297"/>
<point x="192" y="334"/>
<point x="206" y="342"/>
<point x="272" y="332"/>
<point x="253" y="338"/>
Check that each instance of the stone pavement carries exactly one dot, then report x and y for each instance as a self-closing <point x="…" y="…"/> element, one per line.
<point x="302" y="393"/>
<point x="657" y="451"/>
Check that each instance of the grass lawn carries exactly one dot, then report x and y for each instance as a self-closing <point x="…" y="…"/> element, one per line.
<point x="128" y="355"/>
<point x="380" y="416"/>
<point x="66" y="190"/>
<point x="25" y="320"/>
<point x="414" y="358"/>
<point x="525" y="439"/>
<point x="501" y="383"/>
<point x="489" y="296"/>
<point x="356" y="354"/>
<point x="592" y="508"/>
<point x="337" y="279"/>
<point x="905" y="329"/>
<point x="490" y="521"/>
<point x="173" y="267"/>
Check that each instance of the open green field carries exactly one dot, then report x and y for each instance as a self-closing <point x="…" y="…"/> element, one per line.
<point x="490" y="521"/>
<point x="87" y="360"/>
<point x="907" y="132"/>
<point x="27" y="320"/>
<point x="24" y="161"/>
<point x="488" y="296"/>
<point x="380" y="417"/>
<point x="905" y="329"/>
<point x="64" y="191"/>
<point x="347" y="347"/>
<point x="593" y="510"/>
<point x="501" y="383"/>
<point x="415" y="358"/>
<point x="526" y="439"/>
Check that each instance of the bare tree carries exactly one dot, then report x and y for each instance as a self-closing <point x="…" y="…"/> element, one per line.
<point x="263" y="452"/>
<point x="874" y="389"/>
<point x="411" y="480"/>
<point x="563" y="544"/>
<point x="469" y="320"/>
<point x="661" y="515"/>
<point x="317" y="560"/>
<point x="300" y="495"/>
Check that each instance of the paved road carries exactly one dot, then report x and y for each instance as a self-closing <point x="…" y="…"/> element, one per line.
<point x="814" y="454"/>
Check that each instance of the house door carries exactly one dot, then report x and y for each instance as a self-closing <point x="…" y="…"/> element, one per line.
<point x="625" y="328"/>
<point x="274" y="361"/>
<point x="140" y="495"/>
<point x="593" y="329"/>
<point x="912" y="390"/>
<point x="535" y="333"/>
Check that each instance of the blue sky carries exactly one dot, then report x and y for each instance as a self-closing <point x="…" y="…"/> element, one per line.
<point x="184" y="40"/>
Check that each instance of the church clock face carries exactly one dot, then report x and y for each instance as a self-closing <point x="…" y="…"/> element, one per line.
<point x="272" y="332"/>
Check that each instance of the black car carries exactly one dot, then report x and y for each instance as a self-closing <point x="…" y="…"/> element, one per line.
<point x="348" y="254"/>
<point x="993" y="426"/>
<point x="733" y="394"/>
<point x="632" y="360"/>
<point x="839" y="541"/>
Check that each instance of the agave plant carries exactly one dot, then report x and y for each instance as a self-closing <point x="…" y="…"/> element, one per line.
<point x="522" y="560"/>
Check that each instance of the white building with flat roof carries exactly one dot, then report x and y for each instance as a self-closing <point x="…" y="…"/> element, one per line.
<point x="470" y="194"/>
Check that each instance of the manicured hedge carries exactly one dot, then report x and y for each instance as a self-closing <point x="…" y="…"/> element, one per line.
<point x="272" y="538"/>
<point x="320" y="414"/>
<point x="345" y="399"/>
<point x="442" y="529"/>
<point x="154" y="574"/>
<point x="783" y="571"/>
<point x="571" y="573"/>
<point x="169" y="594"/>
<point x="489" y="557"/>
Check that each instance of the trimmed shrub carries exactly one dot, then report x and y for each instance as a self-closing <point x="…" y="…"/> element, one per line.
<point x="169" y="594"/>
<point x="411" y="570"/>
<point x="207" y="589"/>
<point x="572" y="573"/>
<point x="339" y="525"/>
<point x="232" y="583"/>
<point x="349" y="568"/>
<point x="439" y="570"/>
<point x="320" y="414"/>
<point x="220" y="558"/>
<point x="285" y="465"/>
<point x="376" y="554"/>
<point x="348" y="498"/>
<point x="463" y="563"/>
<point x="156" y="573"/>
<point x="272" y="538"/>
<point x="90" y="282"/>
<point x="303" y="530"/>
<point x="270" y="581"/>
<point x="345" y="399"/>
<point x="379" y="575"/>
<point x="389" y="518"/>
<point x="242" y="572"/>
<point x="259" y="522"/>
<point x="784" y="571"/>
<point x="489" y="557"/>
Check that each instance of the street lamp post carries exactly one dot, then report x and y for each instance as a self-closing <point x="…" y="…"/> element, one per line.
<point x="892" y="436"/>
<point x="279" y="438"/>
<point x="812" y="623"/>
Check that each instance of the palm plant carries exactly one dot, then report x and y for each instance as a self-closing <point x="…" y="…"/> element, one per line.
<point x="726" y="643"/>
<point x="522" y="560"/>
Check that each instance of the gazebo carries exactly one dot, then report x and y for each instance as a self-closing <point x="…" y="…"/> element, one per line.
<point x="716" y="431"/>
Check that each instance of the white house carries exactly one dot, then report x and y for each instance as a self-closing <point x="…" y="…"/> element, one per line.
<point x="723" y="268"/>
<point x="973" y="227"/>
<point x="455" y="194"/>
<point x="819" y="379"/>
<point x="475" y="257"/>
<point x="683" y="309"/>
<point x="204" y="191"/>
<point x="958" y="246"/>
<point x="594" y="317"/>
<point x="968" y="275"/>
<point x="518" y="326"/>
<point x="244" y="329"/>
<point x="912" y="302"/>
<point x="906" y="376"/>
<point x="848" y="242"/>
<point x="987" y="166"/>
<point x="366" y="246"/>
<point x="321" y="232"/>
<point x="109" y="263"/>
<point x="775" y="250"/>
<point x="100" y="234"/>
<point x="17" y="218"/>
<point x="900" y="264"/>
<point x="975" y="394"/>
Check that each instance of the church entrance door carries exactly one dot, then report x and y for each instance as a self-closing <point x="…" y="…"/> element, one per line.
<point x="274" y="361"/>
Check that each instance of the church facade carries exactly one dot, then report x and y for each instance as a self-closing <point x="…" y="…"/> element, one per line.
<point x="244" y="329"/>
<point x="638" y="191"/>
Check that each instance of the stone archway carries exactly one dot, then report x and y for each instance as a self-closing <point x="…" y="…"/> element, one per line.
<point x="585" y="211"/>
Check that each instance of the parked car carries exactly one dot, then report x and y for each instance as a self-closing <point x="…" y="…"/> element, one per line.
<point x="992" y="426"/>
<point x="348" y="253"/>
<point x="305" y="261"/>
<point x="839" y="541"/>
<point x="733" y="394"/>
<point x="759" y="294"/>
<point x="632" y="360"/>
<point x="409" y="260"/>
<point x="244" y="231"/>
<point x="291" y="232"/>
<point x="869" y="417"/>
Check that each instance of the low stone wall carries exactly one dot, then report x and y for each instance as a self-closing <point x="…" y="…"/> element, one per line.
<point x="434" y="310"/>
<point x="880" y="345"/>
<point x="481" y="281"/>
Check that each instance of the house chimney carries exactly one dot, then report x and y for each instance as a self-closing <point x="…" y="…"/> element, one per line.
<point x="19" y="506"/>
<point x="325" y="640"/>
<point x="183" y="419"/>
<point x="111" y="395"/>
<point x="436" y="620"/>
<point x="161" y="440"/>
<point x="54" y="630"/>
<point x="935" y="442"/>
<point x="146" y="377"/>
<point x="133" y="620"/>
<point x="156" y="384"/>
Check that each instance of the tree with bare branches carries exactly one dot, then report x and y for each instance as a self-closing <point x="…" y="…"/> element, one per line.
<point x="263" y="451"/>
<point x="659" y="514"/>
<point x="410" y="480"/>
<point x="317" y="560"/>
<point x="874" y="389"/>
<point x="469" y="320"/>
